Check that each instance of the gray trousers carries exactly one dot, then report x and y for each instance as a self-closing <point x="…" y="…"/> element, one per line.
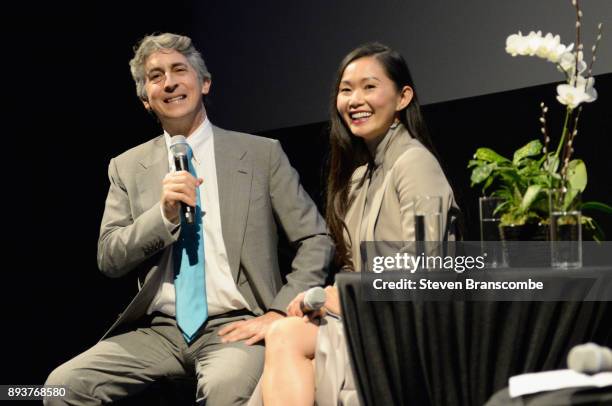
<point x="127" y="363"/>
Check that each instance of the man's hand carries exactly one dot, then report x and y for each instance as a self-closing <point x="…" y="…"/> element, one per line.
<point x="253" y="330"/>
<point x="178" y="187"/>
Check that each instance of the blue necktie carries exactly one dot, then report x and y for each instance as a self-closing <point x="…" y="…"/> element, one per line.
<point x="189" y="276"/>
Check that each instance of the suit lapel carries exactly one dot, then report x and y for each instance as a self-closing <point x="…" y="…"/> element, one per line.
<point x="234" y="175"/>
<point x="372" y="216"/>
<point x="354" y="220"/>
<point x="397" y="144"/>
<point x="154" y="166"/>
<point x="356" y="244"/>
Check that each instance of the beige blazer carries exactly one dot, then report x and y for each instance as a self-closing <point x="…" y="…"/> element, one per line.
<point x="409" y="170"/>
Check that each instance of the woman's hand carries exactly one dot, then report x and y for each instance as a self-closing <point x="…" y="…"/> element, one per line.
<point x="332" y="300"/>
<point x="332" y="305"/>
<point x="295" y="306"/>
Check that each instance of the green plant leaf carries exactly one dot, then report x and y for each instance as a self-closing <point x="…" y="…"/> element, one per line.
<point x="552" y="164"/>
<point x="487" y="154"/>
<point x="541" y="206"/>
<point x="475" y="162"/>
<point x="480" y="173"/>
<point x="510" y="177"/>
<point x="591" y="225"/>
<point x="530" y="195"/>
<point x="532" y="148"/>
<point x="577" y="175"/>
<point x="544" y="180"/>
<point x="596" y="206"/>
<point x="488" y="183"/>
<point x="529" y="168"/>
<point x="512" y="218"/>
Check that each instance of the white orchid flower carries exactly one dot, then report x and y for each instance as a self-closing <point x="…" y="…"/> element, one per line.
<point x="534" y="40"/>
<point x="559" y="51"/>
<point x="556" y="49"/>
<point x="567" y="63"/>
<point x="582" y="91"/>
<point x="589" y="87"/>
<point x="516" y="44"/>
<point x="548" y="47"/>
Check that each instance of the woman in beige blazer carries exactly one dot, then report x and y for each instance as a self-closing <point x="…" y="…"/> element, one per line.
<point x="381" y="159"/>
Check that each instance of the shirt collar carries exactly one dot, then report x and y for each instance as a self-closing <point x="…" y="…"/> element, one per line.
<point x="197" y="139"/>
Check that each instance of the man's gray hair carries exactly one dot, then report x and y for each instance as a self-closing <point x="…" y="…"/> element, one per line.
<point x="153" y="43"/>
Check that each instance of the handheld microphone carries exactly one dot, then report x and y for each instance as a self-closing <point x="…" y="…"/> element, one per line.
<point x="590" y="358"/>
<point x="180" y="151"/>
<point x="313" y="300"/>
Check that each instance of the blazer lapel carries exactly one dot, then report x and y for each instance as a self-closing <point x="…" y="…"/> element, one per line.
<point x="372" y="216"/>
<point x="154" y="166"/>
<point x="354" y="220"/>
<point x="234" y="175"/>
<point x="398" y="138"/>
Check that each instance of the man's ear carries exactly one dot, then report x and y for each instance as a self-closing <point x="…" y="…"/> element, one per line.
<point x="206" y="86"/>
<point x="145" y="102"/>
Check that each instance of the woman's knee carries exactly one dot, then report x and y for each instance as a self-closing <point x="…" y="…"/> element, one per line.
<point x="291" y="334"/>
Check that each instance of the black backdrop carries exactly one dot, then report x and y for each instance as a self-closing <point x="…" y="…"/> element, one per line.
<point x="70" y="106"/>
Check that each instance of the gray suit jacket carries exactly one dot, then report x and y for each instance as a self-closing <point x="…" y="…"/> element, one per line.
<point x="258" y="188"/>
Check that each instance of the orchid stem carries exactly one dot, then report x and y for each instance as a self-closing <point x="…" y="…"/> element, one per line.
<point x="568" y="112"/>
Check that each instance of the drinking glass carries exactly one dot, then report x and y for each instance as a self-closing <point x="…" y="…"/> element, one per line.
<point x="428" y="218"/>
<point x="490" y="236"/>
<point x="565" y="228"/>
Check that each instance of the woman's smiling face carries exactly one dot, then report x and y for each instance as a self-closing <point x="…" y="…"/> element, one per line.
<point x="368" y="100"/>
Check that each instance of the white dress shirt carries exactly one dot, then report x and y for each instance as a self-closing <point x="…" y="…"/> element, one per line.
<point x="221" y="291"/>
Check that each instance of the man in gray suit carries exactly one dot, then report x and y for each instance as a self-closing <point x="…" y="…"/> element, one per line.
<point x="244" y="186"/>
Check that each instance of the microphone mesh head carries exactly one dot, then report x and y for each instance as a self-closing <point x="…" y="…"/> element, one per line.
<point x="590" y="358"/>
<point x="178" y="145"/>
<point x="315" y="298"/>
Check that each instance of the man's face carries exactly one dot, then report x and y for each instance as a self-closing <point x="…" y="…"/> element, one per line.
<point x="173" y="90"/>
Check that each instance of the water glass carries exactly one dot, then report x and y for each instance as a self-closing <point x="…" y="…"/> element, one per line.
<point x="428" y="218"/>
<point x="565" y="228"/>
<point x="490" y="236"/>
<point x="428" y="228"/>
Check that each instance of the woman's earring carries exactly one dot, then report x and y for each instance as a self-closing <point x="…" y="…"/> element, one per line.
<point x="396" y="122"/>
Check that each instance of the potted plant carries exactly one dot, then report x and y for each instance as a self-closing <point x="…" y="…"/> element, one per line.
<point x="524" y="181"/>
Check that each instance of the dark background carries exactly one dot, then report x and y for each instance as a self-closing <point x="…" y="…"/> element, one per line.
<point x="70" y="105"/>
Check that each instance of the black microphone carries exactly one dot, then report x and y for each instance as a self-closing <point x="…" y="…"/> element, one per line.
<point x="180" y="151"/>
<point x="590" y="358"/>
<point x="313" y="300"/>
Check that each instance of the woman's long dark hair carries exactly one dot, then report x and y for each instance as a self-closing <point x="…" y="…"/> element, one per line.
<point x="347" y="152"/>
